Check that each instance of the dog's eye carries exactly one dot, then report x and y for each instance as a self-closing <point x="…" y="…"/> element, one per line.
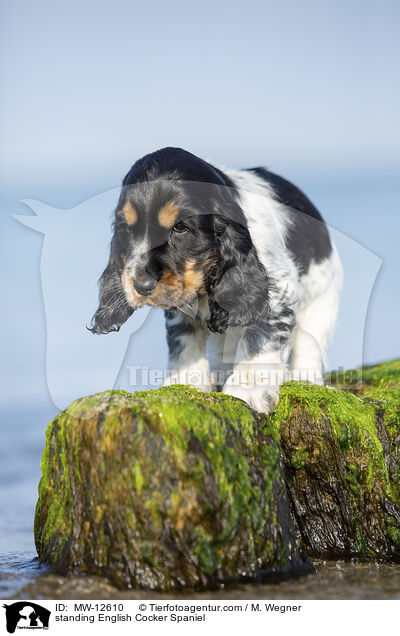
<point x="180" y="227"/>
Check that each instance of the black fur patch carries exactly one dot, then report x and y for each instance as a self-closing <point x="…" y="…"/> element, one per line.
<point x="238" y="286"/>
<point x="185" y="165"/>
<point x="113" y="309"/>
<point x="308" y="238"/>
<point x="272" y="330"/>
<point x="174" y="334"/>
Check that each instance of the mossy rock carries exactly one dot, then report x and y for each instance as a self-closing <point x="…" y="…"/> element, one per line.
<point x="342" y="465"/>
<point x="360" y="380"/>
<point x="172" y="488"/>
<point x="379" y="386"/>
<point x="165" y="489"/>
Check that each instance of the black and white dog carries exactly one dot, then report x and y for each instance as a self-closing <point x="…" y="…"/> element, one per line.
<point x="241" y="262"/>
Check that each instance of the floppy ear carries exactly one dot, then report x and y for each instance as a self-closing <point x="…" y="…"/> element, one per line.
<point x="113" y="309"/>
<point x="238" y="286"/>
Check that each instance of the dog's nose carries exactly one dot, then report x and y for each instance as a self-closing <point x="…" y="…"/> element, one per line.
<point x="144" y="286"/>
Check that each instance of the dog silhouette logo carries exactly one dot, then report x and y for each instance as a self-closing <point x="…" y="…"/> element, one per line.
<point x="26" y="615"/>
<point x="74" y="251"/>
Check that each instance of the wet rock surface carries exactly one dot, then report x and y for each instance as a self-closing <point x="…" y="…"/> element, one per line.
<point x="341" y="464"/>
<point x="165" y="489"/>
<point x="174" y="488"/>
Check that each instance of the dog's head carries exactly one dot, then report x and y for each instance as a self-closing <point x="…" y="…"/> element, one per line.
<point x="179" y="234"/>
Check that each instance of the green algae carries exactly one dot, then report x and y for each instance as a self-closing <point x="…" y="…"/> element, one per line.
<point x="352" y="421"/>
<point x="381" y="374"/>
<point x="340" y="449"/>
<point x="362" y="379"/>
<point x="379" y="387"/>
<point x="299" y="458"/>
<point x="175" y="487"/>
<point x="164" y="489"/>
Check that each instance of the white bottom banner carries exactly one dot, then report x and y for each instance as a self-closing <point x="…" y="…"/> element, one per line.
<point x="155" y="616"/>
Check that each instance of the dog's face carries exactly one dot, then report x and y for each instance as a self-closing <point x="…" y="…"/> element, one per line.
<point x="165" y="244"/>
<point x="177" y="239"/>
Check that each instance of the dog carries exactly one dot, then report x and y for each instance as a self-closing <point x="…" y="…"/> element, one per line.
<point x="242" y="264"/>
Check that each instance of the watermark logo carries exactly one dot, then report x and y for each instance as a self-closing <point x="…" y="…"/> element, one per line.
<point x="26" y="615"/>
<point x="75" y="251"/>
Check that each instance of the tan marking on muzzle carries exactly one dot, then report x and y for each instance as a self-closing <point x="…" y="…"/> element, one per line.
<point x="168" y="281"/>
<point x="193" y="279"/>
<point x="130" y="214"/>
<point x="168" y="214"/>
<point x="172" y="289"/>
<point x="134" y="299"/>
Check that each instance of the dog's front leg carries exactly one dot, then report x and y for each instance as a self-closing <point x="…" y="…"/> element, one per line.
<point x="261" y="361"/>
<point x="187" y="363"/>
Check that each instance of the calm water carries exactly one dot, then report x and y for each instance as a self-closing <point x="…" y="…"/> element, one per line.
<point x="339" y="580"/>
<point x="21" y="577"/>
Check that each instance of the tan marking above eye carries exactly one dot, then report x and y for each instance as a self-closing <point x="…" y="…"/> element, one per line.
<point x="130" y="214"/>
<point x="168" y="214"/>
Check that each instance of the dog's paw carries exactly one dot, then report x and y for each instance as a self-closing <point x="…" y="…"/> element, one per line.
<point x="263" y="399"/>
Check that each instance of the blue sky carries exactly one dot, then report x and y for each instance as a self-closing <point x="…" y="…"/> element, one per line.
<point x="88" y="87"/>
<point x="310" y="89"/>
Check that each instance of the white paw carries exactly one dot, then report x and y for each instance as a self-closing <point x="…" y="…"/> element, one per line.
<point x="261" y="398"/>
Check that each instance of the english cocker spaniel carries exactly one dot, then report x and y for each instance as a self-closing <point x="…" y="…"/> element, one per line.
<point x="241" y="262"/>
